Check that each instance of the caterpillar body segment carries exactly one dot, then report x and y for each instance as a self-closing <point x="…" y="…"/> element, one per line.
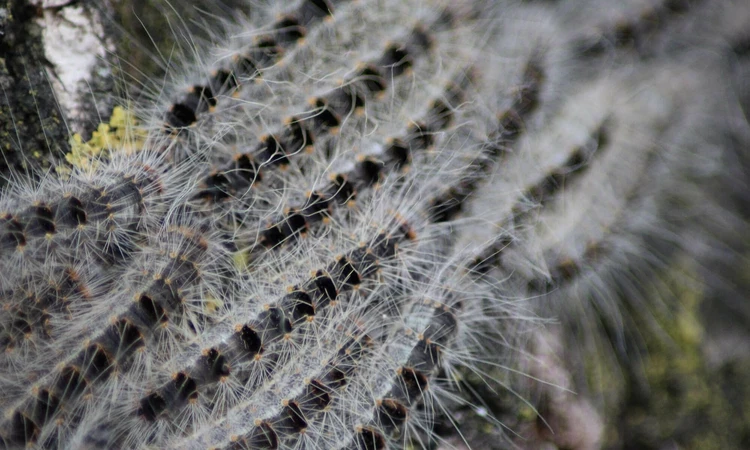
<point x="169" y="295"/>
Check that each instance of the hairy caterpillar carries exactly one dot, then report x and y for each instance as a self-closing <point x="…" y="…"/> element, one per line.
<point x="344" y="210"/>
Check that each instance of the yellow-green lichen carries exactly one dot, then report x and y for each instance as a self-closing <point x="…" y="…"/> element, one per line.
<point x="241" y="260"/>
<point x="121" y="134"/>
<point x="682" y="402"/>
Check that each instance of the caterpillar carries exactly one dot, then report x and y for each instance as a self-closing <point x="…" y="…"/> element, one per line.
<point x="336" y="224"/>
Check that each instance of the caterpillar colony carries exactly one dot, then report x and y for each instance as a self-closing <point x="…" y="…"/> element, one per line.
<point x="329" y="216"/>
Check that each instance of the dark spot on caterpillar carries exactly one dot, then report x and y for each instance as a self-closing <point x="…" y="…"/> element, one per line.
<point x="217" y="188"/>
<point x="245" y="67"/>
<point x="511" y="126"/>
<point x="45" y="406"/>
<point x="677" y="6"/>
<point x="539" y="286"/>
<point x="528" y="94"/>
<point x="446" y="20"/>
<point x="7" y="343"/>
<point x="223" y="80"/>
<point x="442" y="326"/>
<point x="405" y="231"/>
<point x="272" y="236"/>
<point x="391" y="415"/>
<point x="250" y="342"/>
<point x="454" y="91"/>
<point x="150" y="313"/>
<point x="311" y="10"/>
<point x="624" y="33"/>
<point x="71" y="283"/>
<point x="366" y="172"/>
<point x="270" y="151"/>
<point x="420" y="39"/>
<point x="631" y="32"/>
<point x="200" y="99"/>
<point x="342" y="190"/>
<point x="482" y="264"/>
<point x="294" y="224"/>
<point x="447" y="206"/>
<point x="296" y="137"/>
<point x="183" y="387"/>
<point x="74" y="213"/>
<point x="325" y="289"/>
<point x="601" y="138"/>
<point x="288" y="30"/>
<point x="542" y="191"/>
<point x="42" y="220"/>
<point x="174" y="395"/>
<point x="95" y="363"/>
<point x="343" y="100"/>
<point x="371" y="79"/>
<point x="324" y="118"/>
<point x="576" y="160"/>
<point x="45" y="328"/>
<point x="22" y="324"/>
<point x="350" y="353"/>
<point x="211" y="366"/>
<point x="127" y="192"/>
<point x="547" y="187"/>
<point x="364" y="261"/>
<point x="13" y="235"/>
<point x="23" y="430"/>
<point x="166" y="295"/>
<point x="291" y="419"/>
<point x="369" y="439"/>
<point x="272" y="324"/>
<point x="439" y="116"/>
<point x="418" y="136"/>
<point x="56" y="298"/>
<point x="315" y="397"/>
<point x="100" y="205"/>
<point x="265" y="52"/>
<point x="384" y="247"/>
<point x="397" y="59"/>
<point x="594" y="251"/>
<point x="409" y="386"/>
<point x="244" y="172"/>
<point x="424" y="357"/>
<point x="263" y="437"/>
<point x="346" y="273"/>
<point x="151" y="406"/>
<point x="122" y="339"/>
<point x="316" y="208"/>
<point x="70" y="383"/>
<point x="573" y="167"/>
<point x="565" y="271"/>
<point x="334" y="378"/>
<point x="397" y="154"/>
<point x="244" y="169"/>
<point x="298" y="304"/>
<point x="180" y="116"/>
